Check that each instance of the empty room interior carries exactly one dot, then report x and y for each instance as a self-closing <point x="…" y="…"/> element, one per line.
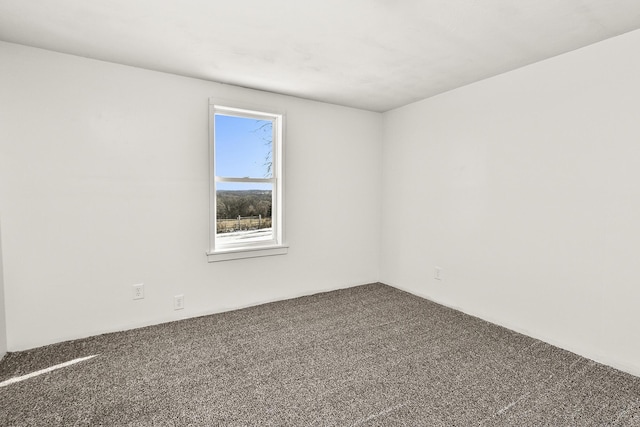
<point x="319" y="213"/>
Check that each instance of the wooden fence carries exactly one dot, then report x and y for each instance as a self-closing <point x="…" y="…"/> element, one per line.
<point x="241" y="223"/>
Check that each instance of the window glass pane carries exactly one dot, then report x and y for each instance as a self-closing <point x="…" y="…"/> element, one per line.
<point x="244" y="147"/>
<point x="243" y="212"/>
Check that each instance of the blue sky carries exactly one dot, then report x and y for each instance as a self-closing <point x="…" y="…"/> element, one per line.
<point x="243" y="147"/>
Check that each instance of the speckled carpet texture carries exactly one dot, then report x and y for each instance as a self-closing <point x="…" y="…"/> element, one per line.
<point x="366" y="356"/>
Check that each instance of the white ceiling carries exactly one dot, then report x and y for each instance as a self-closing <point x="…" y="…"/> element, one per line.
<point x="369" y="54"/>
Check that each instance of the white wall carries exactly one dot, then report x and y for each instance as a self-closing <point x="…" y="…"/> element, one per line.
<point x="3" y="323"/>
<point x="104" y="183"/>
<point x="525" y="189"/>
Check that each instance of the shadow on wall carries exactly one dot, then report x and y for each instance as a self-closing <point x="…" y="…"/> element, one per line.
<point x="3" y="321"/>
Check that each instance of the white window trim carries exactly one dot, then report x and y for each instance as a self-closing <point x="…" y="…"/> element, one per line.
<point x="277" y="245"/>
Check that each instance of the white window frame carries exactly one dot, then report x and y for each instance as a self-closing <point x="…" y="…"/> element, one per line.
<point x="276" y="246"/>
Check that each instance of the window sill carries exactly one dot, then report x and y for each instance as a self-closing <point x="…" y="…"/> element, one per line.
<point x="231" y="254"/>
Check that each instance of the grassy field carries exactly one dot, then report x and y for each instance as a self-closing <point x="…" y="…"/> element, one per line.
<point x="245" y="223"/>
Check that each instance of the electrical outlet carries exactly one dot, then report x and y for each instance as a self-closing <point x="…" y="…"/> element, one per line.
<point x="178" y="302"/>
<point x="138" y="291"/>
<point x="437" y="273"/>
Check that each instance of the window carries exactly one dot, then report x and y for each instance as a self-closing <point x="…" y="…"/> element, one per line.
<point x="246" y="218"/>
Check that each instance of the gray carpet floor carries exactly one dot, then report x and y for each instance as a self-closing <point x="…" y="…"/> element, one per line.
<point x="365" y="356"/>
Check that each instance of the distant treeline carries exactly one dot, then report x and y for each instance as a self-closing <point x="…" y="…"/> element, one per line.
<point x="234" y="203"/>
